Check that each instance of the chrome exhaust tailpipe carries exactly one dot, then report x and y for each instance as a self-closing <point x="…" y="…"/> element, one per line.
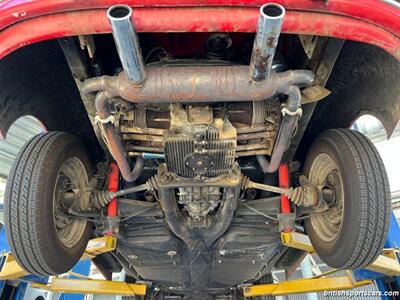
<point x="127" y="42"/>
<point x="265" y="42"/>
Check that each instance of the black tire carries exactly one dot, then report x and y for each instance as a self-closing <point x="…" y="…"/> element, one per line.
<point x="29" y="212"/>
<point x="366" y="205"/>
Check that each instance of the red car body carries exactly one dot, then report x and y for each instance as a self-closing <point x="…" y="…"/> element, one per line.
<point x="24" y="22"/>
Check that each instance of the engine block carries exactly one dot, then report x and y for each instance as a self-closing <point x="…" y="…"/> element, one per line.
<point x="200" y="143"/>
<point x="160" y="129"/>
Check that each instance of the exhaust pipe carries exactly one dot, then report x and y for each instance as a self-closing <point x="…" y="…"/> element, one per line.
<point x="291" y="115"/>
<point x="198" y="84"/>
<point x="127" y="42"/>
<point x="114" y="143"/>
<point x="265" y="42"/>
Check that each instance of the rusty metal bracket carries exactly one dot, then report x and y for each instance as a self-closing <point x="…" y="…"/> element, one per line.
<point x="314" y="93"/>
<point x="309" y="43"/>
<point x="286" y="221"/>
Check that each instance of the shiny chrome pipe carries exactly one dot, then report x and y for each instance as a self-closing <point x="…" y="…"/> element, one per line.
<point x="127" y="42"/>
<point x="265" y="42"/>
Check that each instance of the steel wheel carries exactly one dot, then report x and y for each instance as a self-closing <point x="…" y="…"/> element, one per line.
<point x="71" y="180"/>
<point x="324" y="172"/>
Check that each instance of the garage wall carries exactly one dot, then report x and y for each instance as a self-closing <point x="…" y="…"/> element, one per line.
<point x="20" y="132"/>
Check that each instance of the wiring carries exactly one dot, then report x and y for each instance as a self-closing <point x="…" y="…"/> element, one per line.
<point x="259" y="212"/>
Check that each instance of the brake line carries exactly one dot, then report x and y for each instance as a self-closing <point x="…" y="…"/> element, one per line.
<point x="260" y="212"/>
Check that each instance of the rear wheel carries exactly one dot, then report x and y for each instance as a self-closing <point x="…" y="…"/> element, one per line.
<point x="352" y="233"/>
<point x="43" y="237"/>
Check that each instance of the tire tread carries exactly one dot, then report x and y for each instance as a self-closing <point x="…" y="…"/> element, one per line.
<point x="26" y="232"/>
<point x="371" y="193"/>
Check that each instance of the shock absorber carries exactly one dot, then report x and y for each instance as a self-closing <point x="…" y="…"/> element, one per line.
<point x="285" y="203"/>
<point x="112" y="227"/>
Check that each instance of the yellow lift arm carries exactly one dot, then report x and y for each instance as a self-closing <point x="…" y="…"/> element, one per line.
<point x="10" y="270"/>
<point x="92" y="286"/>
<point x="386" y="264"/>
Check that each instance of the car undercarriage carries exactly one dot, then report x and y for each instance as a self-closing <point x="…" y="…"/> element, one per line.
<point x="196" y="150"/>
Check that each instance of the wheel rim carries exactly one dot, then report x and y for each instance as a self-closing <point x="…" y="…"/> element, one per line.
<point x="72" y="178"/>
<point x="324" y="172"/>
